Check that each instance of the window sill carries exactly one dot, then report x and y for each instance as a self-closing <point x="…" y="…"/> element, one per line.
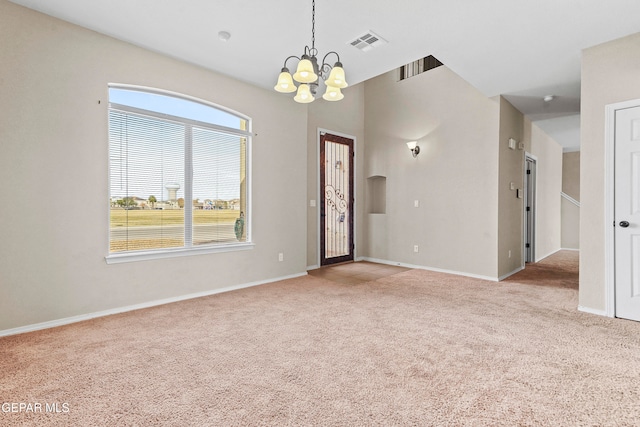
<point x="118" y="258"/>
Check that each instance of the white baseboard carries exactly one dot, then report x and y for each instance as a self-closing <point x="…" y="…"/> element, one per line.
<point x="438" y="270"/>
<point x="504" y="276"/>
<point x="593" y="311"/>
<point x="555" y="252"/>
<point x="538" y="259"/>
<point x="82" y="317"/>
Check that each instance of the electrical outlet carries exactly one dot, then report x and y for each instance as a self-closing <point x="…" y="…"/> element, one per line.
<point x="280" y="257"/>
<point x="416" y="203"/>
<point x="415" y="248"/>
<point x="312" y="203"/>
<point x="509" y="253"/>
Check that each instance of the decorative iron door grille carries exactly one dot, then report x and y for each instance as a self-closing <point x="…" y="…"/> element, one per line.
<point x="336" y="208"/>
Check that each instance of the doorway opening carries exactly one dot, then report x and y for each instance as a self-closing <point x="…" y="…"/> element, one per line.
<point x="337" y="192"/>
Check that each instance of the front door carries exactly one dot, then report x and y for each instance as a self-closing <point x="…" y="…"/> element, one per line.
<point x="627" y="213"/>
<point x="336" y="207"/>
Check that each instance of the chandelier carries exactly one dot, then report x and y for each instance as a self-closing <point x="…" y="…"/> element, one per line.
<point x="308" y="73"/>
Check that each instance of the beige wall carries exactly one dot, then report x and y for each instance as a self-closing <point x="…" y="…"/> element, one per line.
<point x="570" y="225"/>
<point x="610" y="74"/>
<point x="53" y="166"/>
<point x="510" y="211"/>
<point x="343" y="118"/>
<point x="571" y="174"/>
<point x="548" y="188"/>
<point x="454" y="178"/>
<point x="571" y="212"/>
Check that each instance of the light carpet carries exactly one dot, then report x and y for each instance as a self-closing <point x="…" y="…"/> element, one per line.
<point x="415" y="348"/>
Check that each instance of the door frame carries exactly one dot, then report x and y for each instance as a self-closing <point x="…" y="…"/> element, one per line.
<point x="526" y="197"/>
<point x="320" y="199"/>
<point x="609" y="207"/>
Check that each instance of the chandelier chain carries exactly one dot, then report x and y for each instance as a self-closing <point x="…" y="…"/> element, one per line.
<point x="313" y="25"/>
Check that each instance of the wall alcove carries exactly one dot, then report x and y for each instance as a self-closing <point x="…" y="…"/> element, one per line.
<point x="377" y="194"/>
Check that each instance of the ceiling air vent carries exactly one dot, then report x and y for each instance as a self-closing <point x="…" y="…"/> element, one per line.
<point x="368" y="41"/>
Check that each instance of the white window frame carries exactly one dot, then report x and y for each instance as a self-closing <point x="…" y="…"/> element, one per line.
<point x="120" y="257"/>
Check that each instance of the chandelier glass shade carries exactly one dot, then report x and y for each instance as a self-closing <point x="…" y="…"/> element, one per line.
<point x="285" y="82"/>
<point x="304" y="95"/>
<point x="308" y="73"/>
<point x="333" y="94"/>
<point x="305" y="72"/>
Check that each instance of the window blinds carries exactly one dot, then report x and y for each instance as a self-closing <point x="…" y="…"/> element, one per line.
<point x="173" y="184"/>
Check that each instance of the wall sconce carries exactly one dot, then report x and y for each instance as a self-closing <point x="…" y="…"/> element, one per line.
<point x="413" y="146"/>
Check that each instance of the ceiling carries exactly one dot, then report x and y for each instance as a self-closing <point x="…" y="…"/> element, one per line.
<point x="520" y="49"/>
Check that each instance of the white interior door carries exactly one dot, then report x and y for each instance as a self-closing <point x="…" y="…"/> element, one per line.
<point x="627" y="213"/>
<point x="529" y="209"/>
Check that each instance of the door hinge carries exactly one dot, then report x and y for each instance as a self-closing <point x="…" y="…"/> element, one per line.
<point x="527" y="245"/>
<point x="528" y="208"/>
<point x="528" y="171"/>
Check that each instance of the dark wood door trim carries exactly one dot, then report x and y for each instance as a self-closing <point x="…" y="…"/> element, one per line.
<point x="326" y="136"/>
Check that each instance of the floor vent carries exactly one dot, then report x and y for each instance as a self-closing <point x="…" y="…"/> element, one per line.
<point x="420" y="66"/>
<point x="368" y="41"/>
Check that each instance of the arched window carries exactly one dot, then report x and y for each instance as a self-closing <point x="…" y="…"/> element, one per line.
<point x="178" y="175"/>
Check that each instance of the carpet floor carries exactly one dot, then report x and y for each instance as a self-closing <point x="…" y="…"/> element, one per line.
<point x="414" y="348"/>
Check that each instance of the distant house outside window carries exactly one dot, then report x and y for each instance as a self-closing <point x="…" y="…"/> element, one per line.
<point x="178" y="175"/>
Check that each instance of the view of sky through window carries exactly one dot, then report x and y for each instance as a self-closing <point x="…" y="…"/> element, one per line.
<point x="216" y="154"/>
<point x="173" y="106"/>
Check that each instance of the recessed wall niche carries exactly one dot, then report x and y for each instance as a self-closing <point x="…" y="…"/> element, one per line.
<point x="377" y="194"/>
